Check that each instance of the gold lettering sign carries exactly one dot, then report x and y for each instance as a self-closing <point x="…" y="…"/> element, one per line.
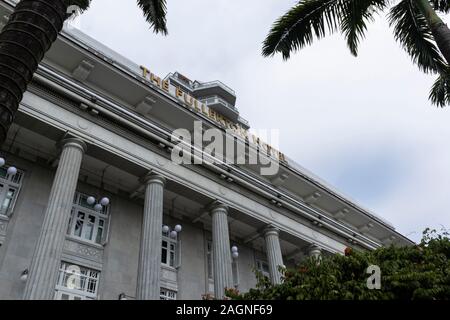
<point x="166" y="86"/>
<point x="191" y="103"/>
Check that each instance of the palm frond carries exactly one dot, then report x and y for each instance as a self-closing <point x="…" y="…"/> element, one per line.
<point x="441" y="5"/>
<point x="354" y="17"/>
<point x="440" y="91"/>
<point x="299" y="25"/>
<point x="412" y="31"/>
<point x="155" y="13"/>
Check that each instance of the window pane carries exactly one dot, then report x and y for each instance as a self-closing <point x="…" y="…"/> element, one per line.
<point x="88" y="229"/>
<point x="235" y="271"/>
<point x="164" y="255"/>
<point x="209" y="260"/>
<point x="210" y="269"/>
<point x="92" y="284"/>
<point x="7" y="200"/>
<point x="72" y="280"/>
<point x="167" y="295"/>
<point x="83" y="283"/>
<point x="172" y="259"/>
<point x="78" y="279"/>
<point x="79" y="224"/>
<point x="70" y="222"/>
<point x="17" y="177"/>
<point x="99" y="235"/>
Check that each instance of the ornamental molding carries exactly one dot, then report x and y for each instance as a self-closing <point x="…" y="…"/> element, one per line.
<point x="138" y="154"/>
<point x="3" y="227"/>
<point x="81" y="250"/>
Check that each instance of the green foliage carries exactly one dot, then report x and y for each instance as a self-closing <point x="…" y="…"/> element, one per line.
<point x="412" y="31"/>
<point x="154" y="11"/>
<point x="299" y="25"/>
<point x="313" y="19"/>
<point x="407" y="273"/>
<point x="440" y="91"/>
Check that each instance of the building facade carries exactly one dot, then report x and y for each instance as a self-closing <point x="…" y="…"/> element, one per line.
<point x="99" y="209"/>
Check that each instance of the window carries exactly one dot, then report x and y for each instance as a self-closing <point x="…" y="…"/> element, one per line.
<point x="9" y="189"/>
<point x="166" y="294"/>
<point x="168" y="251"/>
<point x="235" y="270"/>
<point x="86" y="223"/>
<point x="76" y="282"/>
<point x="61" y="295"/>
<point x="209" y="260"/>
<point x="263" y="267"/>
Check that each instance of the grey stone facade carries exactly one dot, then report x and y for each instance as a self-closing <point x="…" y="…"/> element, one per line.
<point x="118" y="259"/>
<point x="55" y="244"/>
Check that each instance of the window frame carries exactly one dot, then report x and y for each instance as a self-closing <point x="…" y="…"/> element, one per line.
<point x="85" y="272"/>
<point x="167" y="294"/>
<point x="78" y="207"/>
<point x="10" y="182"/>
<point x="209" y="261"/>
<point x="170" y="242"/>
<point x="259" y="266"/>
<point x="235" y="272"/>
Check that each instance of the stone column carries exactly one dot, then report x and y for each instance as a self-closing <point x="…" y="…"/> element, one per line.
<point x="44" y="268"/>
<point x="149" y="270"/>
<point x="315" y="251"/>
<point x="274" y="256"/>
<point x="221" y="250"/>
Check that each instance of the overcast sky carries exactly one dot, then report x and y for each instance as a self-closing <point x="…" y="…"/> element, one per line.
<point x="363" y="124"/>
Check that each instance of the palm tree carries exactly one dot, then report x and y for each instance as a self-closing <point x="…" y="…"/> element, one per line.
<point x="30" y="32"/>
<point x="416" y="25"/>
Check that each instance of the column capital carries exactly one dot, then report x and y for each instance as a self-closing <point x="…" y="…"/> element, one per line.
<point x="218" y="206"/>
<point x="314" y="250"/>
<point x="72" y="142"/>
<point x="151" y="178"/>
<point x="271" y="230"/>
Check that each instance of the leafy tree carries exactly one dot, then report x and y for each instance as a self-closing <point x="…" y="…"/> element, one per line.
<point x="416" y="25"/>
<point x="407" y="273"/>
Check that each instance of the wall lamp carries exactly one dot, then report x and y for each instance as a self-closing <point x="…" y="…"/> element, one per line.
<point x="11" y="170"/>
<point x="123" y="296"/>
<point x="174" y="233"/>
<point x="99" y="206"/>
<point x="24" y="275"/>
<point x="235" y="252"/>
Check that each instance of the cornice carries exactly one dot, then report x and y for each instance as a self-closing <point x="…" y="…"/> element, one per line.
<point x="297" y="207"/>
